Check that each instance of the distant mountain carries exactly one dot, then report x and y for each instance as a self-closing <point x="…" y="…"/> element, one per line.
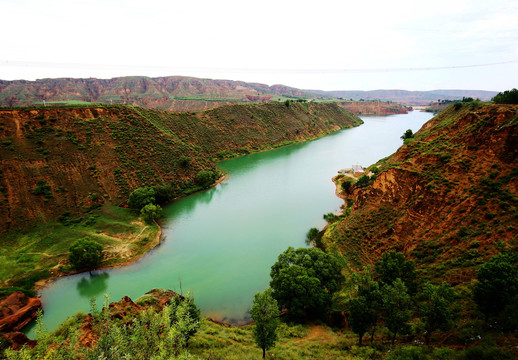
<point x="408" y="97"/>
<point x="182" y="93"/>
<point x="178" y="93"/>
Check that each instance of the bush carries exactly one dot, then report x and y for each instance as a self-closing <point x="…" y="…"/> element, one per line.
<point x="407" y="135"/>
<point x="42" y="189"/>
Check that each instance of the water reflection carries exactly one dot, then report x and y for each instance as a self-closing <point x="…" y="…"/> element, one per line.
<point x="95" y="284"/>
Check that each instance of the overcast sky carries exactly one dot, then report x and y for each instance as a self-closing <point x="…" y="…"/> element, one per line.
<point x="328" y="45"/>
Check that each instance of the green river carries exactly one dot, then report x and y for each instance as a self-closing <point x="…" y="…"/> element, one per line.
<point x="219" y="244"/>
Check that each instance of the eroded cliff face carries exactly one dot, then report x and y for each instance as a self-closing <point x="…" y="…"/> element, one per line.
<point x="70" y="159"/>
<point x="447" y="198"/>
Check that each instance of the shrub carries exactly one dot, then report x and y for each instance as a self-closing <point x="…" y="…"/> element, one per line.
<point x="42" y="189"/>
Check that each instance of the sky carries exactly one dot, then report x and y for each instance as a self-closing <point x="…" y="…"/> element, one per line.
<point x="325" y="44"/>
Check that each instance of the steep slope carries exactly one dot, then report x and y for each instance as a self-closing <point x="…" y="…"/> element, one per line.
<point x="448" y="199"/>
<point x="174" y="93"/>
<point x="55" y="160"/>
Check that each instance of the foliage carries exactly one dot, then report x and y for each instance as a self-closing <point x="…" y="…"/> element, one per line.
<point x="205" y="178"/>
<point x="265" y="313"/>
<point x="396" y="303"/>
<point x="497" y="284"/>
<point x="346" y="185"/>
<point x="85" y="254"/>
<point x="363" y="181"/>
<point x="507" y="97"/>
<point x="42" y="188"/>
<point x="157" y="335"/>
<point x="141" y="197"/>
<point x="407" y="135"/>
<point x="311" y="235"/>
<point x="361" y="318"/>
<point x="393" y="265"/>
<point x="330" y="217"/>
<point x="436" y="308"/>
<point x="184" y="161"/>
<point x="303" y="281"/>
<point x="365" y="313"/>
<point x="151" y="212"/>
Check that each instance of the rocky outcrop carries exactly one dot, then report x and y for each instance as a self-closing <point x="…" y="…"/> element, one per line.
<point x="17" y="310"/>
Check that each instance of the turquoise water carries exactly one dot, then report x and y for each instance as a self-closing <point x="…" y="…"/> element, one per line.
<point x="220" y="244"/>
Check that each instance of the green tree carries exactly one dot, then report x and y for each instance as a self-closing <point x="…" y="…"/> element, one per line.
<point x="371" y="292"/>
<point x="396" y="303"/>
<point x="151" y="212"/>
<point x="141" y="197"/>
<point x="265" y="313"/>
<point x="311" y="235"/>
<point x="85" y="254"/>
<point x="436" y="308"/>
<point x="204" y="178"/>
<point x="497" y="284"/>
<point x="393" y="265"/>
<point x="304" y="280"/>
<point x="360" y="317"/>
<point x="407" y="135"/>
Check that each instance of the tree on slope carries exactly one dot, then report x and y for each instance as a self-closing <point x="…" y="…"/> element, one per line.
<point x="497" y="284"/>
<point x="436" y="311"/>
<point x="396" y="303"/>
<point x="265" y="313"/>
<point x="85" y="254"/>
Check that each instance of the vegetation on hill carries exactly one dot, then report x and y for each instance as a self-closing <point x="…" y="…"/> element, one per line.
<point x="64" y="170"/>
<point x="447" y="198"/>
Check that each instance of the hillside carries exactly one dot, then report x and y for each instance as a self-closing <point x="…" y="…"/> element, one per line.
<point x="70" y="159"/>
<point x="408" y="97"/>
<point x="447" y="199"/>
<point x="374" y="107"/>
<point x="173" y="93"/>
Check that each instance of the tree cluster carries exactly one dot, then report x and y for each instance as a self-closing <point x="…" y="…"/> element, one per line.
<point x="304" y="281"/>
<point x="389" y="296"/>
<point x="507" y="97"/>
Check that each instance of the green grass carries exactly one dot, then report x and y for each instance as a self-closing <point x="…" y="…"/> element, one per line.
<point x="30" y="255"/>
<point x="216" y="341"/>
